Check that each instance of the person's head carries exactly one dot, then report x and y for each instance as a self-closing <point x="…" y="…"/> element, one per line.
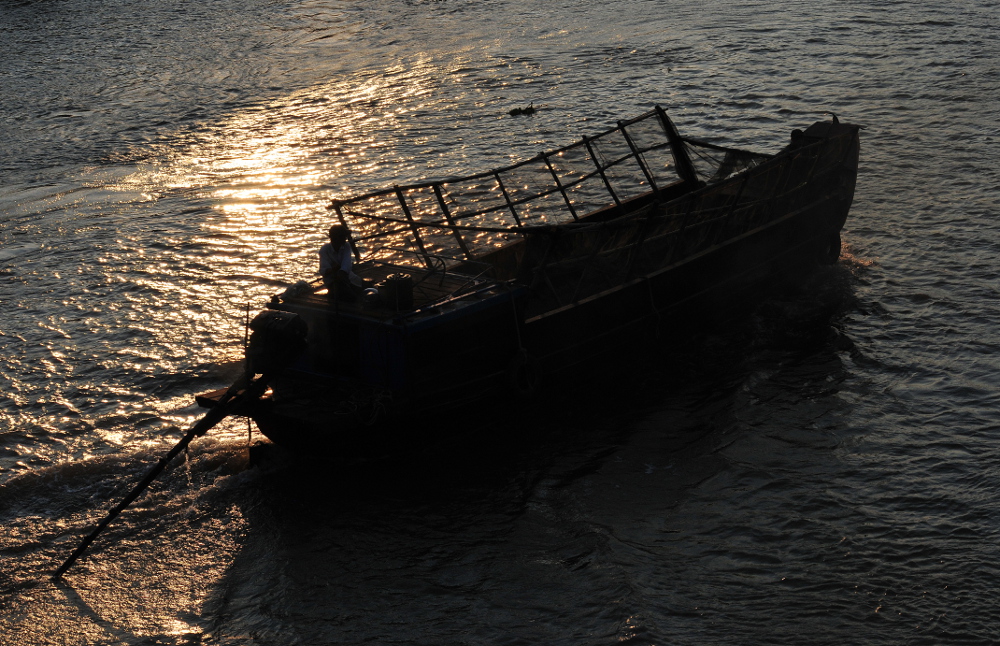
<point x="338" y="235"/>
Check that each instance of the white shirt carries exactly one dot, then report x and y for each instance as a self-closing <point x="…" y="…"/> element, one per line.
<point x="338" y="259"/>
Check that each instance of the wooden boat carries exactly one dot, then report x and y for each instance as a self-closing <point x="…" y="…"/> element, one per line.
<point x="488" y="288"/>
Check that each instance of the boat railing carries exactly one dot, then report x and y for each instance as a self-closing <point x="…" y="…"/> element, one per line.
<point x="468" y="216"/>
<point x="713" y="193"/>
<point x="565" y="265"/>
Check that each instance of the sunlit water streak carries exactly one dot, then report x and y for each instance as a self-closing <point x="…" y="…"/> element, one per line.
<point x="826" y="474"/>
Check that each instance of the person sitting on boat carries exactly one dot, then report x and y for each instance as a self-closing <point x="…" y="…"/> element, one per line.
<point x="335" y="263"/>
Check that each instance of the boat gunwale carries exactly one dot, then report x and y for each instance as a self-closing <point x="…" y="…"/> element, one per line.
<point x="673" y="266"/>
<point x="541" y="156"/>
<point x="684" y="173"/>
<point x="585" y="221"/>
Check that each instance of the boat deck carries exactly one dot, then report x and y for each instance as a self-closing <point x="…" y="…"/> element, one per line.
<point x="429" y="287"/>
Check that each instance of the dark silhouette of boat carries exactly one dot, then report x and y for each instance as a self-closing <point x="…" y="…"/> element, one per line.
<point x="485" y="290"/>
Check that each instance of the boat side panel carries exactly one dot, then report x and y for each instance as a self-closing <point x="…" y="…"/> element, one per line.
<point x="441" y="363"/>
<point x="709" y="288"/>
<point x="405" y="356"/>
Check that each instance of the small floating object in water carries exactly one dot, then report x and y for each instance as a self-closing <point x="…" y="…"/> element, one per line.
<point x="519" y="111"/>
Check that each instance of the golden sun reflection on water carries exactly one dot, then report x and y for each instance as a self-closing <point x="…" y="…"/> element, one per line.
<point x="271" y="175"/>
<point x="239" y="206"/>
<point x="270" y="170"/>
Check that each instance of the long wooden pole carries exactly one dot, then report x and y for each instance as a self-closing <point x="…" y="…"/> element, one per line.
<point x="242" y="390"/>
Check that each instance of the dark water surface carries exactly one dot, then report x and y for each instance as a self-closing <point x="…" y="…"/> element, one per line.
<point x="825" y="473"/>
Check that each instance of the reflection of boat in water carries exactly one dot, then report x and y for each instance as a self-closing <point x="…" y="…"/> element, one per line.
<point x="489" y="287"/>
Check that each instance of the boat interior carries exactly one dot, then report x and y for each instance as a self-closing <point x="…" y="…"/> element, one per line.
<point x="430" y="280"/>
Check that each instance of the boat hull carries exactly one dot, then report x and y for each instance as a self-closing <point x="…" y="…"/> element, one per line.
<point x="702" y="259"/>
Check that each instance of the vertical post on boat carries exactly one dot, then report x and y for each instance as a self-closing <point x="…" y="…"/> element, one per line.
<point x="684" y="166"/>
<point x="600" y="170"/>
<point x="739" y="195"/>
<point x="638" y="240"/>
<point x="451" y="221"/>
<point x="562" y="190"/>
<point x="812" y="167"/>
<point x="350" y="236"/>
<point x="638" y="158"/>
<point x="588" y="265"/>
<point x="246" y="346"/>
<point x="413" y="226"/>
<point x="506" y="196"/>
<point x="539" y="269"/>
<point x="685" y="220"/>
<point x="736" y="201"/>
<point x="784" y="175"/>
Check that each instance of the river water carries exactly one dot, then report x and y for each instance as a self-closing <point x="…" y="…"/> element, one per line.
<point x="824" y="472"/>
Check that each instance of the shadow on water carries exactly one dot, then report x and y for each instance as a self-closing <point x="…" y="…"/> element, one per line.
<point x="354" y="532"/>
<point x="796" y="332"/>
<point x="314" y="544"/>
